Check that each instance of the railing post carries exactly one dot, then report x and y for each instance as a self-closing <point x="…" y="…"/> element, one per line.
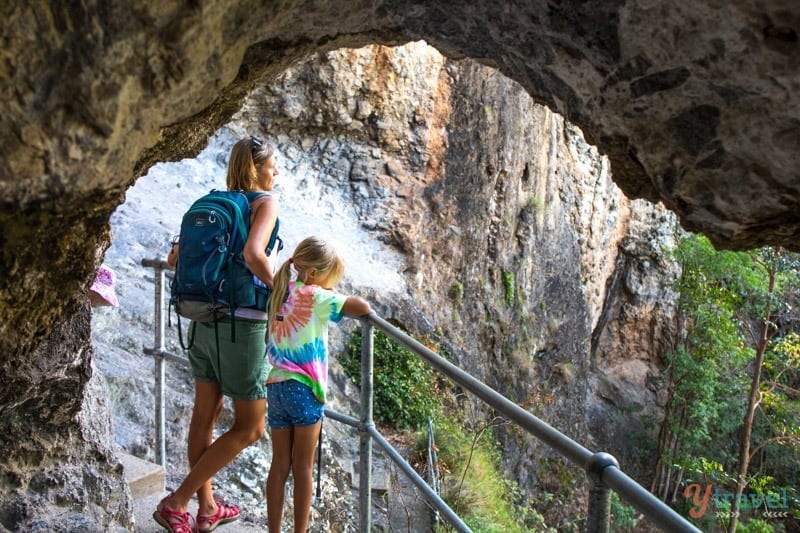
<point x="433" y="465"/>
<point x="599" y="514"/>
<point x="365" y="445"/>
<point x="160" y="379"/>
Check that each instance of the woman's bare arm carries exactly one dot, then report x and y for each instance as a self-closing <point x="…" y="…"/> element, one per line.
<point x="262" y="220"/>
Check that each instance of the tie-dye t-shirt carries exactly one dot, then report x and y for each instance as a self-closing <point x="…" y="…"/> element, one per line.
<point x="298" y="344"/>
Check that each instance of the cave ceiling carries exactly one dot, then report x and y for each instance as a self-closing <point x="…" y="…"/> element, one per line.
<point x="695" y="104"/>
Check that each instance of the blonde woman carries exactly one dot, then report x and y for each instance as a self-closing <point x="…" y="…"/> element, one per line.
<point x="251" y="169"/>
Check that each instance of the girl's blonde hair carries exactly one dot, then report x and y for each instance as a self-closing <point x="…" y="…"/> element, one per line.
<point x="311" y="253"/>
<point x="245" y="155"/>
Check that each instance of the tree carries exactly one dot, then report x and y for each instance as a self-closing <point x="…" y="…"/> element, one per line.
<point x="705" y="368"/>
<point x="733" y="376"/>
<point x="766" y="302"/>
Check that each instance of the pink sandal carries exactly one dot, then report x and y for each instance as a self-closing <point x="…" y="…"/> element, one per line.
<point x="226" y="512"/>
<point x="172" y="520"/>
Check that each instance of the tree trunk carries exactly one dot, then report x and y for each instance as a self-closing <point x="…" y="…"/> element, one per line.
<point x="664" y="438"/>
<point x="754" y="398"/>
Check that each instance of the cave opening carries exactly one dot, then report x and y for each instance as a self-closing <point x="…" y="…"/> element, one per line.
<point x="364" y="143"/>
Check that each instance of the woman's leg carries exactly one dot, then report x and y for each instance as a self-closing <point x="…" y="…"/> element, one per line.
<point x="278" y="474"/>
<point x="303" y="448"/>
<point x="207" y="407"/>
<point x="248" y="427"/>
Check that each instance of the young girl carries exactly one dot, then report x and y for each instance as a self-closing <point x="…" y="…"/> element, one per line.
<point x="303" y="302"/>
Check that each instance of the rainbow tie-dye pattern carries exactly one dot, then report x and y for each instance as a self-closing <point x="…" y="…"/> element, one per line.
<point x="298" y="340"/>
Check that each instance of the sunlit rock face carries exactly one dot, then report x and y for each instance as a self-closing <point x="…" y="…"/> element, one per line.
<point x="695" y="105"/>
<point x="539" y="276"/>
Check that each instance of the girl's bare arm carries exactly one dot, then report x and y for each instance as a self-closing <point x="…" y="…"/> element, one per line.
<point x="356" y="306"/>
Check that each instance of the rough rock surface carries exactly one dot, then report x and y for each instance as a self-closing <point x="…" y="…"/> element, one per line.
<point x="694" y="105"/>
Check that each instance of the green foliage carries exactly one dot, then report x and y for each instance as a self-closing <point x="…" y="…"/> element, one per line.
<point x="711" y="277"/>
<point x="508" y="285"/>
<point x="457" y="292"/>
<point x="405" y="387"/>
<point x="708" y="370"/>
<point x="725" y="299"/>
<point x="755" y="525"/>
<point x="781" y="372"/>
<point x="472" y="483"/>
<point x="701" y="401"/>
<point x="706" y="471"/>
<point x="406" y="394"/>
<point x="535" y="205"/>
<point x="623" y="516"/>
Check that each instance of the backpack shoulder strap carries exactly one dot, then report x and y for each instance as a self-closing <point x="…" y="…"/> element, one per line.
<point x="273" y="238"/>
<point x="252" y="196"/>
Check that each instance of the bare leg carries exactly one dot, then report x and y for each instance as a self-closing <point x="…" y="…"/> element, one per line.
<point x="278" y="474"/>
<point x="248" y="427"/>
<point x="304" y="446"/>
<point x="207" y="407"/>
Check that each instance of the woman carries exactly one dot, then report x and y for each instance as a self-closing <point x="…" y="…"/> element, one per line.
<point x="251" y="169"/>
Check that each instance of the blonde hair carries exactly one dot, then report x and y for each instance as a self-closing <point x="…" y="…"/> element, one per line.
<point x="312" y="253"/>
<point x="245" y="155"/>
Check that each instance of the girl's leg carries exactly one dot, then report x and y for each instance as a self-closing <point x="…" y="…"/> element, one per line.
<point x="248" y="427"/>
<point x="278" y="474"/>
<point x="303" y="448"/>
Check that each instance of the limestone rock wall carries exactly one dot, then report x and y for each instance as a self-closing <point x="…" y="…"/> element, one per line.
<point x="516" y="238"/>
<point x="536" y="272"/>
<point x="61" y="452"/>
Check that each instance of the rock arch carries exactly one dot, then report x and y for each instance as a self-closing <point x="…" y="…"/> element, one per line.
<point x="695" y="106"/>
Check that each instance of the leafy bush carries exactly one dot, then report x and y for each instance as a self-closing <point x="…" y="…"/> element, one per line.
<point x="755" y="525"/>
<point x="623" y="516"/>
<point x="405" y="387"/>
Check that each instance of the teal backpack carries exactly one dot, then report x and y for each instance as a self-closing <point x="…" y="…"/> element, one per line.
<point x="212" y="279"/>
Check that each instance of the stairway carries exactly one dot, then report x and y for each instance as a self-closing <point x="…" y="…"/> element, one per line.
<point x="143" y="477"/>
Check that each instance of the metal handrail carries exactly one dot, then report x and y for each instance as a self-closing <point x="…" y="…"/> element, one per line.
<point x="602" y="468"/>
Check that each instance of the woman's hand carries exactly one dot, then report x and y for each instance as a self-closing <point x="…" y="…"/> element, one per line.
<point x="172" y="256"/>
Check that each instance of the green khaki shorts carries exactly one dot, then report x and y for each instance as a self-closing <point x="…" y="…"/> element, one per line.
<point x="240" y="368"/>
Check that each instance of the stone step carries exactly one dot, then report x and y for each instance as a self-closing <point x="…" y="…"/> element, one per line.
<point x="381" y="477"/>
<point x="143" y="477"/>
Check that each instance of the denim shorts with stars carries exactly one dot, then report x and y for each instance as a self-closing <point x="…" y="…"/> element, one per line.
<point x="291" y="403"/>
